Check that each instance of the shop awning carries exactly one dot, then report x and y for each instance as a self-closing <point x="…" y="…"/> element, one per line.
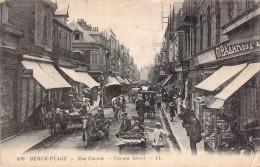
<point x="126" y="82"/>
<point x="239" y="81"/>
<point x="130" y="81"/>
<point x="166" y="80"/>
<point x="46" y="75"/>
<point x="120" y="80"/>
<point x="219" y="77"/>
<point x="216" y="104"/>
<point x="72" y="74"/>
<point x="50" y="69"/>
<point x="87" y="79"/>
<point x="110" y="81"/>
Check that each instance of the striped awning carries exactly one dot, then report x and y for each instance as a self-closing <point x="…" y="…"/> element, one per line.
<point x="46" y="75"/>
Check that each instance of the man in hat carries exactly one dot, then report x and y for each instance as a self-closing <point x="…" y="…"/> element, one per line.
<point x="195" y="133"/>
<point x="125" y="125"/>
<point x="100" y="115"/>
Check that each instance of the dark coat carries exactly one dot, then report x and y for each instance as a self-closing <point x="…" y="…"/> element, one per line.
<point x="195" y="130"/>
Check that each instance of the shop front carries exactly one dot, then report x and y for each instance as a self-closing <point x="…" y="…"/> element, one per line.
<point x="9" y="82"/>
<point x="233" y="112"/>
<point x="40" y="83"/>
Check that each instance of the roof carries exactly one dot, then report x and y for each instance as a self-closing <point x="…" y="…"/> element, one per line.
<point x="63" y="8"/>
<point x="86" y="37"/>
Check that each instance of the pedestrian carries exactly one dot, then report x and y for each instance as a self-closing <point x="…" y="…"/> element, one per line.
<point x="158" y="137"/>
<point x="124" y="104"/>
<point x="172" y="110"/>
<point x="158" y="100"/>
<point x="179" y="104"/>
<point x="84" y="110"/>
<point x="195" y="133"/>
<point x="140" y="108"/>
<point x="125" y="125"/>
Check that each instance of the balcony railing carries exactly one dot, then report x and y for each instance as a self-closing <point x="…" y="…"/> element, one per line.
<point x="63" y="54"/>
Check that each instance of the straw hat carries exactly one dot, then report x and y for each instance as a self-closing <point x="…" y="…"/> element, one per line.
<point x="158" y="123"/>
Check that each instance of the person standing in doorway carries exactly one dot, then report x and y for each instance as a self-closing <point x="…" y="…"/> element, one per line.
<point x="195" y="133"/>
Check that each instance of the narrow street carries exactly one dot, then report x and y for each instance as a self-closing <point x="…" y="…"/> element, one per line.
<point x="72" y="140"/>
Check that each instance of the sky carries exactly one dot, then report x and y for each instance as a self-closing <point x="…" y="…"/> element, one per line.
<point x="136" y="23"/>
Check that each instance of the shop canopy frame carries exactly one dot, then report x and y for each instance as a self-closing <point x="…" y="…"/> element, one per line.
<point x="87" y="79"/>
<point x="220" y="77"/>
<point x="46" y="75"/>
<point x="111" y="81"/>
<point x="166" y="80"/>
<point x="120" y="80"/>
<point x="250" y="71"/>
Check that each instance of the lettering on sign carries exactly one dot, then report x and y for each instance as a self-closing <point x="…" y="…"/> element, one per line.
<point x="226" y="49"/>
<point x="26" y="73"/>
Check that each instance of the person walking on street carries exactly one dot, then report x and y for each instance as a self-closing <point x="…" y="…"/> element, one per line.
<point x="158" y="137"/>
<point x="140" y="108"/>
<point x="195" y="133"/>
<point x="179" y="104"/>
<point x="172" y="110"/>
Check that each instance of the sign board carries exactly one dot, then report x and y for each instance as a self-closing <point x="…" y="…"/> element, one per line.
<point x="227" y="50"/>
<point x="26" y="73"/>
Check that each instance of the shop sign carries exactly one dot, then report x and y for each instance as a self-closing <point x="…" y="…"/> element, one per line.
<point x="227" y="50"/>
<point x="26" y="73"/>
<point x="178" y="69"/>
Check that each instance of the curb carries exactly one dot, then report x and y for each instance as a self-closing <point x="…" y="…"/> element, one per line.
<point x="40" y="142"/>
<point x="176" y="137"/>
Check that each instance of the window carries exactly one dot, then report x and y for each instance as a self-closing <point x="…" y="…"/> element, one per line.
<point x="230" y="9"/>
<point x="250" y="3"/>
<point x="45" y="28"/>
<point x="66" y="41"/>
<point x="201" y="34"/>
<point x="76" y="36"/>
<point x="209" y="26"/>
<point x="94" y="58"/>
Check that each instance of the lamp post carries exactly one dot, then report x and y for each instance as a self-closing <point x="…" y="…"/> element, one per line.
<point x="101" y="80"/>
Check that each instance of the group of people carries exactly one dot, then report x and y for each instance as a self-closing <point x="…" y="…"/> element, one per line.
<point x="178" y="107"/>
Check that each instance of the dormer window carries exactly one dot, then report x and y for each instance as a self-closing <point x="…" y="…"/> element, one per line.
<point x="76" y="36"/>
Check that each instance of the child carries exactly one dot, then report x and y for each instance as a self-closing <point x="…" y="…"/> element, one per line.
<point x="158" y="137"/>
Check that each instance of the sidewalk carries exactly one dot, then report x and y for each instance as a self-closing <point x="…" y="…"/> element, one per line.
<point x="27" y="140"/>
<point x="180" y="133"/>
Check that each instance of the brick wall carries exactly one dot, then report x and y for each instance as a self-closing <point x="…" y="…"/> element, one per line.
<point x="24" y="14"/>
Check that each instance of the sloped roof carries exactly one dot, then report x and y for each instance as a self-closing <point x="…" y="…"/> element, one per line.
<point x="63" y="8"/>
<point x="86" y="37"/>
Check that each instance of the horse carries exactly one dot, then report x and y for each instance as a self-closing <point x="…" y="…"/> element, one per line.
<point x="53" y="117"/>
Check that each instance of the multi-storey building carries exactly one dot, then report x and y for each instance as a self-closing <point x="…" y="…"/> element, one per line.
<point x="37" y="80"/>
<point x="10" y="56"/>
<point x="219" y="57"/>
